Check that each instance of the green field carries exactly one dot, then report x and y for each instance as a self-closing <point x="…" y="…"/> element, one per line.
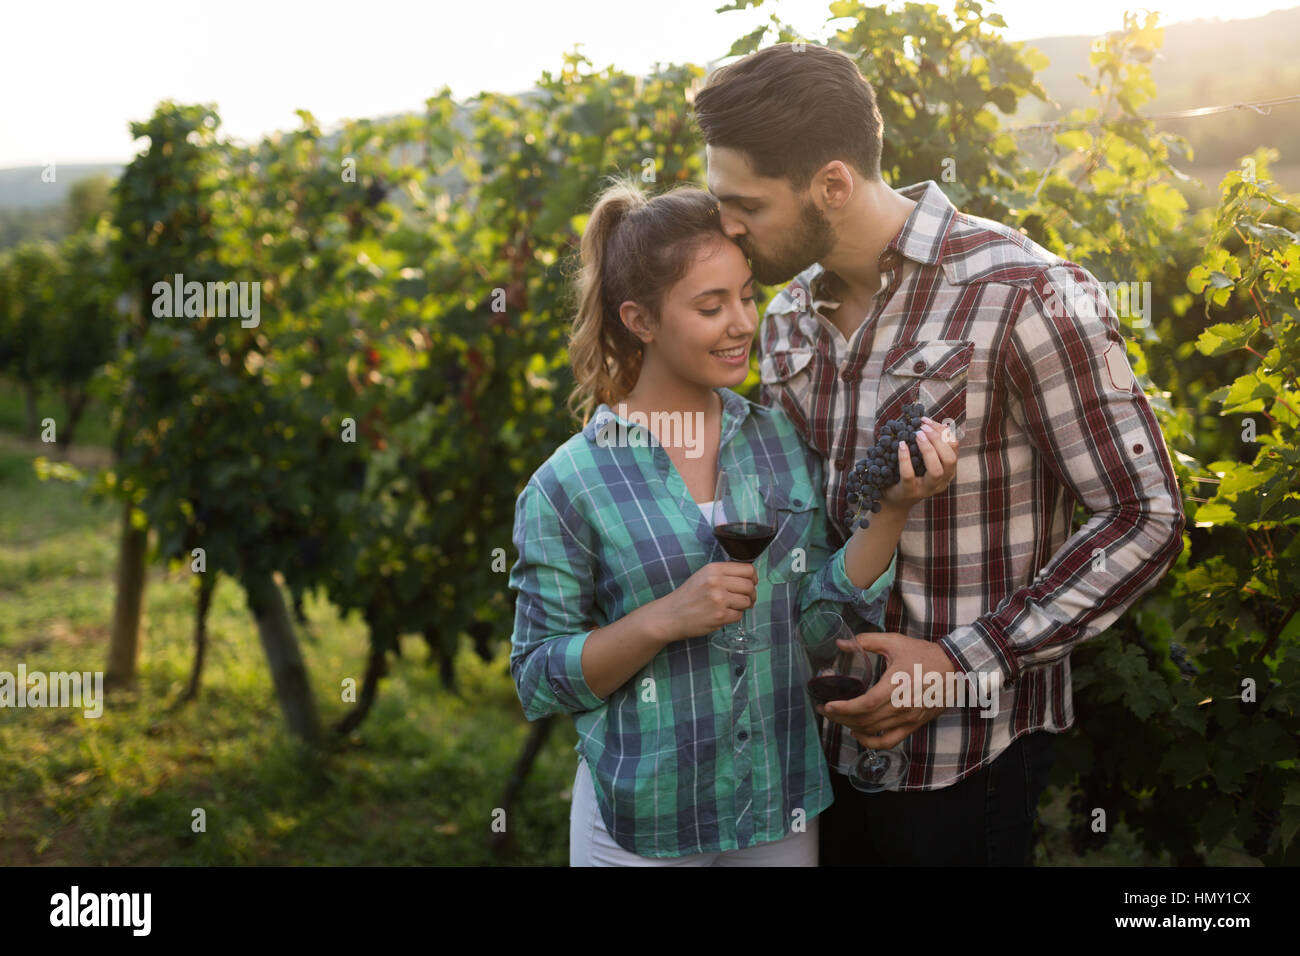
<point x="416" y="784"/>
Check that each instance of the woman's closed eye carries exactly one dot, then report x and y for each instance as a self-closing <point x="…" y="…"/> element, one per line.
<point x="746" y="298"/>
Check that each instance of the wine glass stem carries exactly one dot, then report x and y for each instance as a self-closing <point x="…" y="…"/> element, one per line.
<point x="746" y="617"/>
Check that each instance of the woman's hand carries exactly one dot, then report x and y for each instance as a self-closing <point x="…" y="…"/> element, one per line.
<point x="714" y="596"/>
<point x="940" y="457"/>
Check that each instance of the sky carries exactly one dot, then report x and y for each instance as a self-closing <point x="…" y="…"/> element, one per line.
<point x="76" y="73"/>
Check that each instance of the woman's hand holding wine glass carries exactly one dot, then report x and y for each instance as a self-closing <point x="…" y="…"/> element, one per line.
<point x="718" y="594"/>
<point x="713" y="597"/>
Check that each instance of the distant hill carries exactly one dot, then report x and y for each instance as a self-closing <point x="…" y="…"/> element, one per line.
<point x="1203" y="63"/>
<point x="22" y="188"/>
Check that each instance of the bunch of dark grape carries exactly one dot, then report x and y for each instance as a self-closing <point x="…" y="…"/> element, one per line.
<point x="1178" y="654"/>
<point x="876" y="472"/>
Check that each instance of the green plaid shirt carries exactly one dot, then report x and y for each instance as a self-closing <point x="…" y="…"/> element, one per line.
<point x="701" y="751"/>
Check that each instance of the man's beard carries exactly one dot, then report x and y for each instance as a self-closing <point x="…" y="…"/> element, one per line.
<point x="813" y="238"/>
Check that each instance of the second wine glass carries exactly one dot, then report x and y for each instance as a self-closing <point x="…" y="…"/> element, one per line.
<point x="842" y="670"/>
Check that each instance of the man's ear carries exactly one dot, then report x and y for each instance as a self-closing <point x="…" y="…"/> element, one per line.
<point x="637" y="321"/>
<point x="833" y="184"/>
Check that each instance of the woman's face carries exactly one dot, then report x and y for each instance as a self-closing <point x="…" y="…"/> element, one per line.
<point x="707" y="319"/>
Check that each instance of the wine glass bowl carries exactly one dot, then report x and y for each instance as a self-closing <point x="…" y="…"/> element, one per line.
<point x="833" y="677"/>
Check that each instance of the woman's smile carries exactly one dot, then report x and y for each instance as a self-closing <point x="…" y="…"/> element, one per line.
<point x="732" y="356"/>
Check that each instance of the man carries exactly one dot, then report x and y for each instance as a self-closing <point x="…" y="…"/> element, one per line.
<point x="897" y="298"/>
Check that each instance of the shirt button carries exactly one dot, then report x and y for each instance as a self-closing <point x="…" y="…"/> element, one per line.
<point x="797" y="502"/>
<point x="849" y="375"/>
<point x="841" y="463"/>
<point x="918" y="366"/>
<point x="1137" y="449"/>
<point x="740" y="670"/>
<point x="742" y="735"/>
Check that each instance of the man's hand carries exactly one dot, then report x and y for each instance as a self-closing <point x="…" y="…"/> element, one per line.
<point x="873" y="720"/>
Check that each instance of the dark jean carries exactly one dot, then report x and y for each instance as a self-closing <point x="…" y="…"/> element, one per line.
<point x="985" y="820"/>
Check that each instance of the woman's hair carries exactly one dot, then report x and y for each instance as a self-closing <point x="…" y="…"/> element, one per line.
<point x="634" y="248"/>
<point x="809" y="95"/>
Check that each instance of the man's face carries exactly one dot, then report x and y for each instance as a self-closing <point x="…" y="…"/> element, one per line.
<point x="780" y="231"/>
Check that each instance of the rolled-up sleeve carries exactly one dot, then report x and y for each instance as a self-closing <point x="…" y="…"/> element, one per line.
<point x="554" y="575"/>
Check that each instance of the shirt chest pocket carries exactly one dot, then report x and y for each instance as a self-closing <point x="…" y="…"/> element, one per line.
<point x="794" y="507"/>
<point x="788" y="370"/>
<point x="789" y="374"/>
<point x="933" y="372"/>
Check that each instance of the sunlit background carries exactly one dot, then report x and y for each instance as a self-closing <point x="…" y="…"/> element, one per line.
<point x="75" y="77"/>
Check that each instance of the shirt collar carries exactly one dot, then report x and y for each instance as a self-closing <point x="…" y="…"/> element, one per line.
<point x="921" y="239"/>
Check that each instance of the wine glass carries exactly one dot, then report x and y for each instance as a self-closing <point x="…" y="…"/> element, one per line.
<point x="837" y="659"/>
<point x="744" y="522"/>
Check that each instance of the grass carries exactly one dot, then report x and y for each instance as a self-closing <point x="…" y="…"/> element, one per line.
<point x="417" y="783"/>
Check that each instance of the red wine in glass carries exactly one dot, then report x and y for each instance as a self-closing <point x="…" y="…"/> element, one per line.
<point x="744" y="523"/>
<point x="828" y="687"/>
<point x="744" y="540"/>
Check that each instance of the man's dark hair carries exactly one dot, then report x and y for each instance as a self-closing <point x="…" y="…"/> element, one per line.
<point x="792" y="112"/>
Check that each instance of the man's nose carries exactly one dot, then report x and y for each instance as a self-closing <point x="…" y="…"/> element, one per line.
<point x="732" y="226"/>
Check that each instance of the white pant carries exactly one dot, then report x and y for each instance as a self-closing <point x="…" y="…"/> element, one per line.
<point x="591" y="845"/>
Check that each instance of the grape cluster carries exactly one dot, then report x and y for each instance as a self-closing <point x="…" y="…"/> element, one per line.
<point x="1178" y="654"/>
<point x="872" y="475"/>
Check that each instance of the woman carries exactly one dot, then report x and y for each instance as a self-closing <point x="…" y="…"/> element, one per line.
<point x="689" y="755"/>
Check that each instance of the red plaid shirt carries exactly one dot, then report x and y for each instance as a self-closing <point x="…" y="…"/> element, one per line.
<point x="1022" y="352"/>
